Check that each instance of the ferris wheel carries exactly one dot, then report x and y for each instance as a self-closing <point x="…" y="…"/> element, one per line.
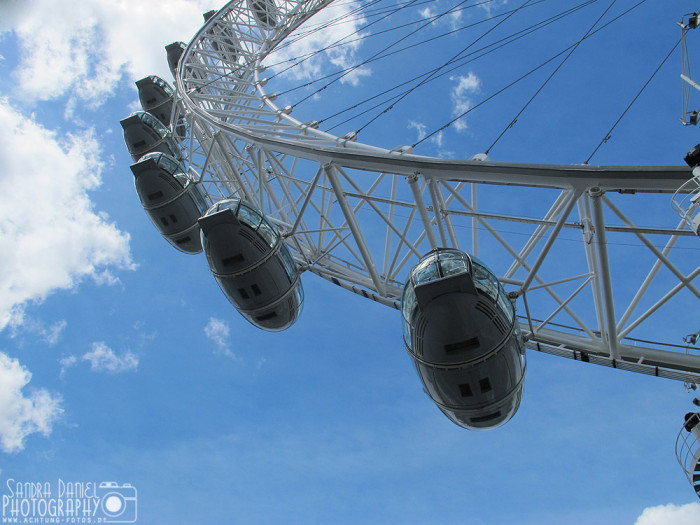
<point x="423" y="235"/>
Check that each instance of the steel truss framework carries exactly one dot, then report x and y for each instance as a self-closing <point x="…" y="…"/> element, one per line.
<point x="361" y="216"/>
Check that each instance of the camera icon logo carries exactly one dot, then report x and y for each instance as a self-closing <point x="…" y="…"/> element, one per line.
<point x="118" y="502"/>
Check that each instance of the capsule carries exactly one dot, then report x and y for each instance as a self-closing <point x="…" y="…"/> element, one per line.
<point x="224" y="40"/>
<point x="144" y="133"/>
<point x="172" y="200"/>
<point x="252" y="264"/>
<point x="174" y="53"/>
<point x="265" y="12"/>
<point x="156" y="97"/>
<point x="461" y="332"/>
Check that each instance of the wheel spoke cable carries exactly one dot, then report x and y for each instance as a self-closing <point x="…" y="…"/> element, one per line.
<point x="445" y="64"/>
<point x="533" y="70"/>
<point x="457" y="64"/>
<point x="353" y="68"/>
<point x="367" y="36"/>
<point x="542" y="86"/>
<point x="607" y="136"/>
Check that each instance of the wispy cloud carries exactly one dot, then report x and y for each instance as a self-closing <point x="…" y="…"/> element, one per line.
<point x="102" y="359"/>
<point x="455" y="19"/>
<point x="452" y="18"/>
<point x="428" y="12"/>
<point x="53" y="332"/>
<point x="22" y="415"/>
<point x="492" y="6"/>
<point x="219" y="332"/>
<point x="49" y="334"/>
<point x="66" y="363"/>
<point x="422" y="130"/>
<point x="461" y="97"/>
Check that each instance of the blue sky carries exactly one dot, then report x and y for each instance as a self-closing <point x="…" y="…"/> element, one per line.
<point x="121" y="360"/>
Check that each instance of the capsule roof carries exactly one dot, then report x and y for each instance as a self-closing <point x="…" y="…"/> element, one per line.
<point x="244" y="212"/>
<point x="442" y="263"/>
<point x="157" y="163"/>
<point x="162" y="161"/>
<point x="445" y="262"/>
<point x="438" y="264"/>
<point x="225" y="204"/>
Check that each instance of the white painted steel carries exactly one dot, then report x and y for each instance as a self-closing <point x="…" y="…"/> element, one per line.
<point x="358" y="215"/>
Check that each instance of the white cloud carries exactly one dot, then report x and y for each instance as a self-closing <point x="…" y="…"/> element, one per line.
<point x="66" y="363"/>
<point x="53" y="332"/>
<point x="453" y="17"/>
<point x="218" y="331"/>
<point x="422" y="132"/>
<point x="419" y="127"/>
<point x="86" y="56"/>
<point x="340" y="57"/>
<point x="428" y="12"/>
<point x="670" y="515"/>
<point x="460" y="96"/>
<point x="492" y="6"/>
<point x="49" y="334"/>
<point x="21" y="416"/>
<point x="50" y="235"/>
<point x="103" y="359"/>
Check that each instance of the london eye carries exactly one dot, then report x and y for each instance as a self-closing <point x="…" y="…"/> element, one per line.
<point x="483" y="259"/>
